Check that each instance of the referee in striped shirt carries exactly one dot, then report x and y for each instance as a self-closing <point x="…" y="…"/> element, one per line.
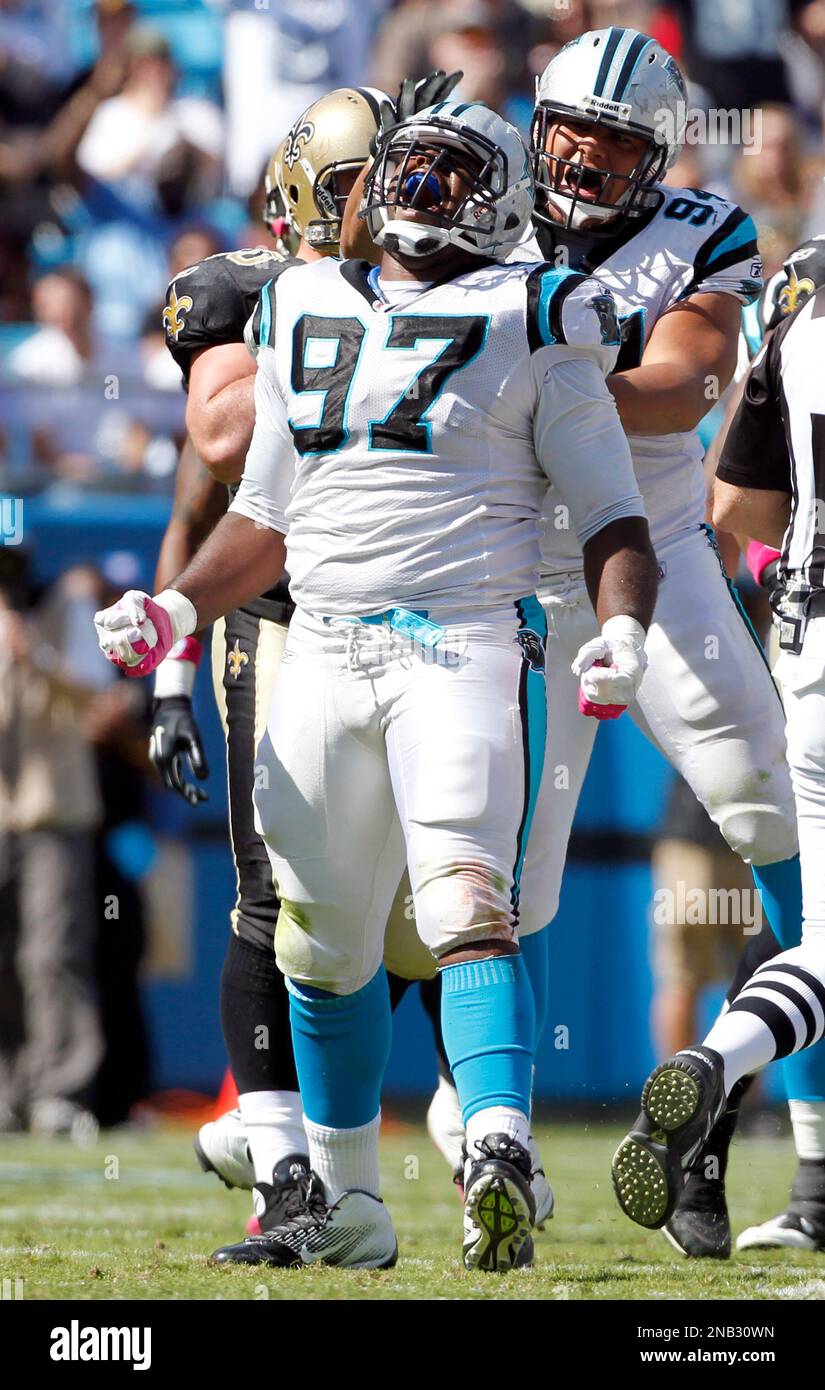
<point x="770" y="485"/>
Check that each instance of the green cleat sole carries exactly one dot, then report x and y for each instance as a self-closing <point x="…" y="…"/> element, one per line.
<point x="641" y="1183"/>
<point x="671" y="1099"/>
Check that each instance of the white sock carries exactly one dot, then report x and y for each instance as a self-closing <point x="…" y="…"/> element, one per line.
<point x="273" y="1121"/>
<point x="345" y="1158"/>
<point x="808" y="1120"/>
<point x="763" y="1020"/>
<point x="745" y="1044"/>
<point x="496" y="1119"/>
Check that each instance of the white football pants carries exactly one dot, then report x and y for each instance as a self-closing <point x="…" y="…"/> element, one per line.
<point x="707" y="701"/>
<point x="404" y="952"/>
<point x="802" y="679"/>
<point x="378" y="749"/>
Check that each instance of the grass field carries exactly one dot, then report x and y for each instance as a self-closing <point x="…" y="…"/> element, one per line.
<point x="134" y="1218"/>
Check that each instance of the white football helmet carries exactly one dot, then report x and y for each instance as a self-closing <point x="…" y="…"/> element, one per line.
<point x="618" y="78"/>
<point x="414" y="163"/>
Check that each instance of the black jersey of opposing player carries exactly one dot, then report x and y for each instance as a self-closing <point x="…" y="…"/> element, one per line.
<point x="207" y="305"/>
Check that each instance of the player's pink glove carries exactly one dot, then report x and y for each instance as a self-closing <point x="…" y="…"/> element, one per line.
<point x="137" y="632"/>
<point x="610" y="668"/>
<point x="758" y="557"/>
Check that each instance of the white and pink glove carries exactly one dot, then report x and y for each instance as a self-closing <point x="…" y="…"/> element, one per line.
<point x="610" y="668"/>
<point x="137" y="632"/>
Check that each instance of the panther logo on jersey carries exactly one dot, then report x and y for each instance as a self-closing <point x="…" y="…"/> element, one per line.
<point x="532" y="646"/>
<point x="297" y="137"/>
<point x="608" y="321"/>
<point x="172" y="321"/>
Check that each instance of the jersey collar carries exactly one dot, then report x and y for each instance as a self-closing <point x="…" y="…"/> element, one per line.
<point x="601" y="248"/>
<point x="358" y="275"/>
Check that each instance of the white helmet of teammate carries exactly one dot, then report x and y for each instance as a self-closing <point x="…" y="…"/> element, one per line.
<point x="423" y="160"/>
<point x="618" y="78"/>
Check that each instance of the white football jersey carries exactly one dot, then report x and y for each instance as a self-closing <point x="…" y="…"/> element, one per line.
<point x="406" y="448"/>
<point x="694" y="243"/>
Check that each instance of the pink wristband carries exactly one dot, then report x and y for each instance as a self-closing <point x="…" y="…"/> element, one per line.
<point x="758" y="557"/>
<point x="187" y="649"/>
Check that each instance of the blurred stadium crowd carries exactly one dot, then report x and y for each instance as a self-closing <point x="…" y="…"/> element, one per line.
<point x="133" y="140"/>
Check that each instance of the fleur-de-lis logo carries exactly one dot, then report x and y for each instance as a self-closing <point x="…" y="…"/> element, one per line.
<point x="172" y="321"/>
<point x="297" y="137"/>
<point x="236" y="660"/>
<point x="794" y="293"/>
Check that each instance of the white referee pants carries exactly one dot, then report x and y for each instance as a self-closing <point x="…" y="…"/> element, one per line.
<point x="802" y="679"/>
<point x="707" y="701"/>
<point x="377" y="749"/>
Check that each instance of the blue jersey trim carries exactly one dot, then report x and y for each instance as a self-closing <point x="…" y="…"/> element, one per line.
<point x="266" y="316"/>
<point x="532" y="699"/>
<point x="740" y="236"/>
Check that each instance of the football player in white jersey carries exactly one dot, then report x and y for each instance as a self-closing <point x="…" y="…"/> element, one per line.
<point x="681" y="263"/>
<point x="407" y="421"/>
<point x="261" y="1143"/>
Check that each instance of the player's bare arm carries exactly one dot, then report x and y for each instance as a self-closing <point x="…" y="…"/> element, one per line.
<point x="220" y="411"/>
<point x="688" y="362"/>
<point x="198" y="504"/>
<point x="238" y="561"/>
<point x="620" y="571"/>
<point x="761" y="513"/>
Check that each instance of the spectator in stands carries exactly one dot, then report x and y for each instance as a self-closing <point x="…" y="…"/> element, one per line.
<point x="280" y="57"/>
<point x="402" y="43"/>
<point x="35" y="164"/>
<point x="50" y="1033"/>
<point x="153" y="146"/>
<point x="480" y="40"/>
<point x="62" y="351"/>
<point x="732" y="49"/>
<point x="775" y="185"/>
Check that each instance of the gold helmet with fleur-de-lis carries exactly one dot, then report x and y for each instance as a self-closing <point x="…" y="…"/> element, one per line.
<point x="305" y="180"/>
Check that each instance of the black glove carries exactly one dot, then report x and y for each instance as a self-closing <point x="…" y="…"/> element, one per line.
<point x="414" y="96"/>
<point x="176" y="736"/>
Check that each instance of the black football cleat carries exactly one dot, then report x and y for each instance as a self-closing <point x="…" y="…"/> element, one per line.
<point x="274" y="1202"/>
<point x="681" y="1102"/>
<point x="700" y="1225"/>
<point x="356" y="1232"/>
<point x="499" y="1207"/>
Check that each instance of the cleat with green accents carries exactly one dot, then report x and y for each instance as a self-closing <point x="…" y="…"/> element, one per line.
<point x="681" y="1102"/>
<point x="499" y="1207"/>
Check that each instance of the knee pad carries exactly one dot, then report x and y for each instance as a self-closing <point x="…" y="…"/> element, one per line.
<point x="471" y="903"/>
<point x="315" y="946"/>
<point x="760" y="833"/>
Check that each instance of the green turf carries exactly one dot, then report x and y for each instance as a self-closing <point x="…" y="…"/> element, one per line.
<point x="70" y="1231"/>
